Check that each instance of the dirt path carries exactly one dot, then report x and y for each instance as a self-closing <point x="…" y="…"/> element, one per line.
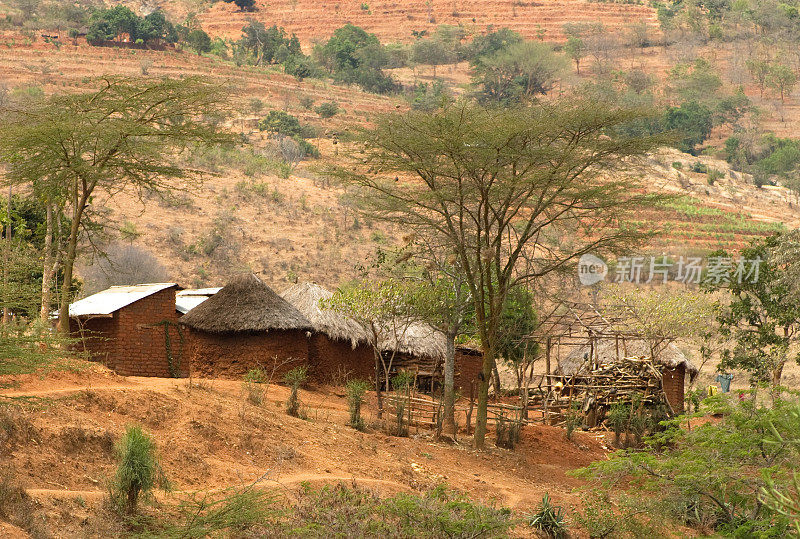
<point x="282" y="481"/>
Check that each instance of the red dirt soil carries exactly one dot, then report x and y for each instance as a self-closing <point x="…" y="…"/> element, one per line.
<point x="210" y="437"/>
<point x="314" y="20"/>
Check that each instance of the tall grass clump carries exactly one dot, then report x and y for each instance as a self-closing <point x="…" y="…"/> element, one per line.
<point x="139" y="470"/>
<point x="252" y="385"/>
<point x="295" y="378"/>
<point x="356" y="389"/>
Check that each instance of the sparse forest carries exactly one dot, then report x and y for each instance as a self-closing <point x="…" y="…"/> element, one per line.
<point x="554" y="247"/>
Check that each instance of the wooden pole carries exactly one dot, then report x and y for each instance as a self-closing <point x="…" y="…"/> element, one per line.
<point x="548" y="347"/>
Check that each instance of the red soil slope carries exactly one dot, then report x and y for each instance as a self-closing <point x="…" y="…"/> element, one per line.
<point x="394" y="21"/>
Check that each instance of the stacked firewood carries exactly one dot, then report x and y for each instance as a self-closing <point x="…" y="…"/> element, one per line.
<point x="594" y="388"/>
<point x="617" y="381"/>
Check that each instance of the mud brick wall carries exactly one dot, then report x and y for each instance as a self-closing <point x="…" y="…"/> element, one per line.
<point x="672" y="381"/>
<point x="468" y="368"/>
<point x="232" y="355"/>
<point x="132" y="344"/>
<point x="330" y="360"/>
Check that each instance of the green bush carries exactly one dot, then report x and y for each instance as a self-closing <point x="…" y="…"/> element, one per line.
<point x="139" y="470"/>
<point x="306" y="102"/>
<point x="252" y="385"/>
<point x="295" y="378"/>
<point x="714" y="175"/>
<point x="549" y="519"/>
<point x="328" y="109"/>
<point x="355" y="390"/>
<point x="574" y="419"/>
<point x="401" y="383"/>
<point x="710" y="477"/>
<point x="342" y="511"/>
<point x="617" y="418"/>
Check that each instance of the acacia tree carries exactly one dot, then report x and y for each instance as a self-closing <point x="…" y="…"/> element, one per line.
<point x="384" y="309"/>
<point x="661" y="315"/>
<point x="518" y="73"/>
<point x="121" y="136"/>
<point x="441" y="298"/>
<point x="501" y="186"/>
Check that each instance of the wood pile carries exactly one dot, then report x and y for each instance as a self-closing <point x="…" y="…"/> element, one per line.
<point x="597" y="387"/>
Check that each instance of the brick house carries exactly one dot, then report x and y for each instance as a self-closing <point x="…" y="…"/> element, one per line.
<point x="243" y="326"/>
<point x="131" y="329"/>
<point x="338" y="348"/>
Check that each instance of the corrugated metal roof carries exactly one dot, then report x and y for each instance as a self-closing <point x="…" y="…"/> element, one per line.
<point x="115" y="298"/>
<point x="199" y="291"/>
<point x="186" y="300"/>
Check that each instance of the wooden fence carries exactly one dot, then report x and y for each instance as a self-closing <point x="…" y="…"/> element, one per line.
<point x="422" y="411"/>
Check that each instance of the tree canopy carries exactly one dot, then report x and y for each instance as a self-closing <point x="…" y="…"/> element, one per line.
<point x="123" y="135"/>
<point x="502" y="186"/>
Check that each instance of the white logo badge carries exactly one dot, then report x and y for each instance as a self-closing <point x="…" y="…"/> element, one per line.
<point x="591" y="269"/>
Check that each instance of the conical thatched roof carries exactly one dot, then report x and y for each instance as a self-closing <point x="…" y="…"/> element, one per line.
<point x="245" y="304"/>
<point x="606" y="350"/>
<point x="305" y="297"/>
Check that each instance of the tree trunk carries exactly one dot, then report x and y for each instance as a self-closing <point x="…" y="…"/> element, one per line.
<point x="449" y="419"/>
<point x="7" y="261"/>
<point x="496" y="378"/>
<point x="483" y="398"/>
<point x="69" y="262"/>
<point x="49" y="266"/>
<point x="378" y="382"/>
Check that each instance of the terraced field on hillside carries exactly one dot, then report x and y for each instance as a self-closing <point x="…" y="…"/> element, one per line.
<point x="393" y="20"/>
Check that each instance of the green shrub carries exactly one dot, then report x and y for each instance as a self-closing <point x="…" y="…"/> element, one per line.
<point x="617" y="419"/>
<point x="714" y="175"/>
<point x="677" y="165"/>
<point x="139" y="470"/>
<point x="402" y="384"/>
<point x="549" y="519"/>
<point x="252" y="385"/>
<point x="355" y="390"/>
<point x="343" y="511"/>
<point x="328" y="109"/>
<point x="306" y="101"/>
<point x="710" y="477"/>
<point x="295" y="378"/>
<point x="574" y="419"/>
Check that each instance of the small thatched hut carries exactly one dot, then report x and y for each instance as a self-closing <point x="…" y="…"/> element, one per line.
<point x="421" y="349"/>
<point x="243" y="326"/>
<point x="339" y="346"/>
<point x="675" y="364"/>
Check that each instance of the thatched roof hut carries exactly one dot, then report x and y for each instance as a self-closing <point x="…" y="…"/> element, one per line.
<point x="423" y="348"/>
<point x="246" y="325"/>
<point x="306" y="297"/>
<point x="245" y="304"/>
<point x="418" y="340"/>
<point x="607" y="351"/>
